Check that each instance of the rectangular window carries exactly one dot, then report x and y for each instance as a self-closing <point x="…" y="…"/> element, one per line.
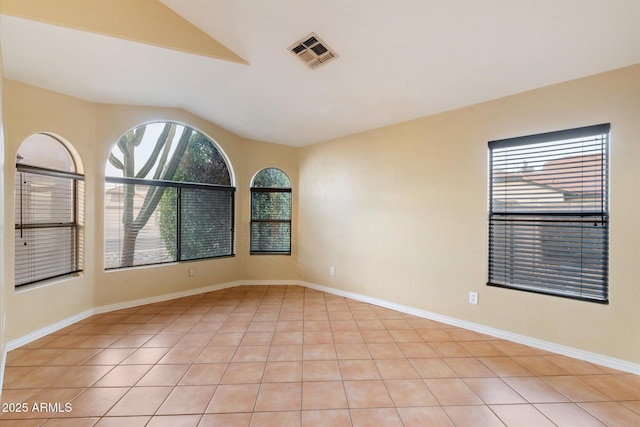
<point x="270" y="221"/>
<point x="46" y="224"/>
<point x="155" y="222"/>
<point x="548" y="213"/>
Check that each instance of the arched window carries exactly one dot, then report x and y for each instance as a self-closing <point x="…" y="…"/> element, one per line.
<point x="48" y="200"/>
<point x="271" y="213"/>
<point x="169" y="197"/>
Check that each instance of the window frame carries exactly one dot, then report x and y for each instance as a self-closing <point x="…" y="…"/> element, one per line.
<point x="579" y="219"/>
<point x="256" y="190"/>
<point x="178" y="186"/>
<point x="74" y="224"/>
<point x="179" y="224"/>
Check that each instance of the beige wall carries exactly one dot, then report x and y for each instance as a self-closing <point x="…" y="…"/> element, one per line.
<point x="257" y="156"/>
<point x="93" y="129"/>
<point x="29" y="110"/>
<point x="401" y="212"/>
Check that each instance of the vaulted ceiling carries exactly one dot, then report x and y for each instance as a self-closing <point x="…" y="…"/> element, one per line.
<point x="227" y="60"/>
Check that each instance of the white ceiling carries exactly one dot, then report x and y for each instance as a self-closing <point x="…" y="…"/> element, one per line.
<point x="399" y="59"/>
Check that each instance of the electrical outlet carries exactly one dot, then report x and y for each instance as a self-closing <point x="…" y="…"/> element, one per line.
<point x="473" y="298"/>
<point x="192" y="272"/>
<point x="332" y="271"/>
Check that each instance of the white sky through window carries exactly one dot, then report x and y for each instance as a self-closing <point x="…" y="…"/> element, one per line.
<point x="144" y="150"/>
<point x="534" y="156"/>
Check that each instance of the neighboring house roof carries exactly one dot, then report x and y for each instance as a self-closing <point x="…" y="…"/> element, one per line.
<point x="572" y="174"/>
<point x="578" y="175"/>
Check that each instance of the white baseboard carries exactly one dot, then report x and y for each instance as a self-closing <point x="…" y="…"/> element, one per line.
<point x="271" y="282"/>
<point x="165" y="297"/>
<point x="610" y="362"/>
<point x="3" y="363"/>
<point x="54" y="327"/>
<point x="599" y="359"/>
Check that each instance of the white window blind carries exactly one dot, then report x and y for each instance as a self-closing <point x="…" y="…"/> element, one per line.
<point x="47" y="243"/>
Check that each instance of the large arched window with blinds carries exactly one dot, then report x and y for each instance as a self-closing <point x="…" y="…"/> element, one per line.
<point x="168" y="197"/>
<point x="270" y="213"/>
<point x="48" y="211"/>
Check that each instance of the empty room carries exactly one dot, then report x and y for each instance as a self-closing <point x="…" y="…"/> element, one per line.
<point x="337" y="213"/>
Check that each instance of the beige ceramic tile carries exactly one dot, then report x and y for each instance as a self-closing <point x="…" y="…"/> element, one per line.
<point x="473" y="416"/>
<point x="534" y="390"/>
<point x="230" y="398"/>
<point x="424" y="416"/>
<point x="140" y="401"/>
<point x="243" y="373"/>
<point x="612" y="413"/>
<point x="270" y="419"/>
<point x="282" y="372"/>
<point x="367" y="394"/>
<point x="387" y="417"/>
<point x="279" y="397"/>
<point x="452" y="391"/>
<point x="493" y="391"/>
<point x="410" y="393"/>
<point x="321" y="370"/>
<point x="323" y="395"/>
<point x="190" y="399"/>
<point x="521" y="415"/>
<point x="204" y="374"/>
<point x="359" y="370"/>
<point x="322" y="418"/>
<point x="568" y="415"/>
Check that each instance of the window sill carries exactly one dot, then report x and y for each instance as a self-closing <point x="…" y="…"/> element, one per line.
<point x="47" y="282"/>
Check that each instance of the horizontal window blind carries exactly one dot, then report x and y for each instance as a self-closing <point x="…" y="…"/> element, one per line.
<point x="270" y="221"/>
<point x="206" y="223"/>
<point x="548" y="213"/>
<point x="46" y="224"/>
<point x="154" y="222"/>
<point x="271" y="237"/>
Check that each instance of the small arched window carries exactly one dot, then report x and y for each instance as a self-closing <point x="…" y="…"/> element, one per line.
<point x="48" y="200"/>
<point x="169" y="197"/>
<point x="270" y="213"/>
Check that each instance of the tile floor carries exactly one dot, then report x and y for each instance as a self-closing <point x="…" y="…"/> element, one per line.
<point x="290" y="356"/>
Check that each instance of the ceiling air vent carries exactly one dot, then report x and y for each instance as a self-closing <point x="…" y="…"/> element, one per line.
<point x="312" y="51"/>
